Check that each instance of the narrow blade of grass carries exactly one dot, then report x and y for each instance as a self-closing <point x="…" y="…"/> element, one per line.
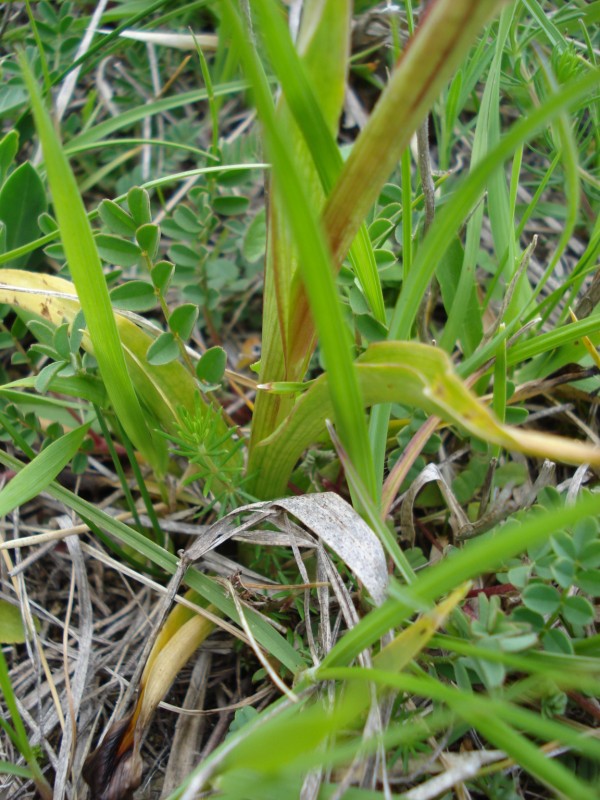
<point x="468" y="193"/>
<point x="316" y="269"/>
<point x="317" y="135"/>
<point x="475" y="711"/>
<point x="36" y="476"/>
<point x="439" y="44"/>
<point x="86" y="270"/>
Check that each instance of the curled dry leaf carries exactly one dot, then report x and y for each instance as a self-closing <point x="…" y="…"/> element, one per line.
<point x="458" y="519"/>
<point x="338" y="525"/>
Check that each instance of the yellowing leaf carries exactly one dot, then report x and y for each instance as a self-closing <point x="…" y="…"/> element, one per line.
<point x="413" y="374"/>
<point x="409" y="643"/>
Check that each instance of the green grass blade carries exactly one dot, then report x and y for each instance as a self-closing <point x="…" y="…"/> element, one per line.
<point x="570" y="159"/>
<point x="553" y="34"/>
<point x="468" y="192"/>
<point x="110" y="38"/>
<point x="134" y="141"/>
<point x="486" y="716"/>
<point x="20" y="734"/>
<point x="316" y="269"/>
<point x="36" y="476"/>
<point x="546" y="342"/>
<point x="412" y="374"/>
<point x="487" y="134"/>
<point x="86" y="270"/>
<point x="317" y="134"/>
<point x="128" y="118"/>
<point x="442" y="40"/>
<point x="168" y="391"/>
<point x="288" y="331"/>
<point x="6" y="768"/>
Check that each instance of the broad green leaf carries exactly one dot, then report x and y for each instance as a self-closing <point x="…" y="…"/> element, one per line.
<point x="183" y="319"/>
<point x="61" y="341"/>
<point x="47" y="223"/>
<point x="230" y="205"/>
<point x="55" y="251"/>
<point x="11" y="98"/>
<point x="161" y="275"/>
<point x="12" y="630"/>
<point x="211" y="366"/>
<point x="578" y="610"/>
<point x="589" y="581"/>
<point x="42" y="330"/>
<point x="36" y="476"/>
<point x="22" y="200"/>
<point x="134" y="296"/>
<point x="187" y="220"/>
<point x="370" y="328"/>
<point x="563" y="572"/>
<point x="138" y="201"/>
<point x="163" y="350"/>
<point x="118" y="251"/>
<point x="232" y="178"/>
<point x="540" y="597"/>
<point x="46" y="375"/>
<point x="184" y="256"/>
<point x="148" y="238"/>
<point x="116" y="219"/>
<point x="255" y="240"/>
<point x="413" y="374"/>
<point x="9" y="144"/>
